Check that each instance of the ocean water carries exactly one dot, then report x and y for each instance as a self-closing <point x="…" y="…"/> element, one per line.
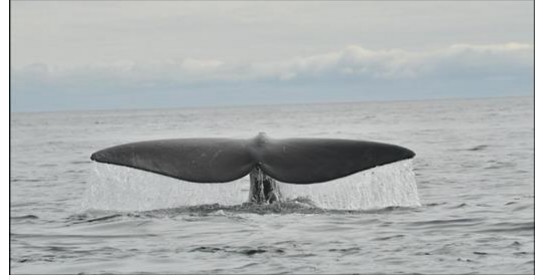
<point x="463" y="205"/>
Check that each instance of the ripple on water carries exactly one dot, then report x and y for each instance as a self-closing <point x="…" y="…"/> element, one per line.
<point x="248" y="251"/>
<point x="508" y="227"/>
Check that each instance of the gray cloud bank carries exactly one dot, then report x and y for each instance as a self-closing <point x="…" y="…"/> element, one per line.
<point x="353" y="73"/>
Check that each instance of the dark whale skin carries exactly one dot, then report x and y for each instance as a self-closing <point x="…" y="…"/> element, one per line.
<point x="218" y="160"/>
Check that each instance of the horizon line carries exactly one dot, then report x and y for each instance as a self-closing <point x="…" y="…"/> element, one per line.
<point x="269" y="104"/>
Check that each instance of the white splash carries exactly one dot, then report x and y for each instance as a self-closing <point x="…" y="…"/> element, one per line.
<point x="127" y="189"/>
<point x="388" y="185"/>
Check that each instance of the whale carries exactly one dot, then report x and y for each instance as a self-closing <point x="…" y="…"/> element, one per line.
<point x="266" y="160"/>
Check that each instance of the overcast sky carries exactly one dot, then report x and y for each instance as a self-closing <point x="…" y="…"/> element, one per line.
<point x="133" y="54"/>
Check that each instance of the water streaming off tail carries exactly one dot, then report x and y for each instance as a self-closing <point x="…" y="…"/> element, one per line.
<point x="388" y="185"/>
<point x="127" y="189"/>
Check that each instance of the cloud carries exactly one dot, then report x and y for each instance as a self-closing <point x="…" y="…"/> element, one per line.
<point x="351" y="61"/>
<point x="349" y="69"/>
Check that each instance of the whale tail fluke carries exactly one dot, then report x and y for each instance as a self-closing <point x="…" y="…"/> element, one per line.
<point x="216" y="160"/>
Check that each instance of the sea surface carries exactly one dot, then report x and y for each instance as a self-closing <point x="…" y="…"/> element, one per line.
<point x="463" y="205"/>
